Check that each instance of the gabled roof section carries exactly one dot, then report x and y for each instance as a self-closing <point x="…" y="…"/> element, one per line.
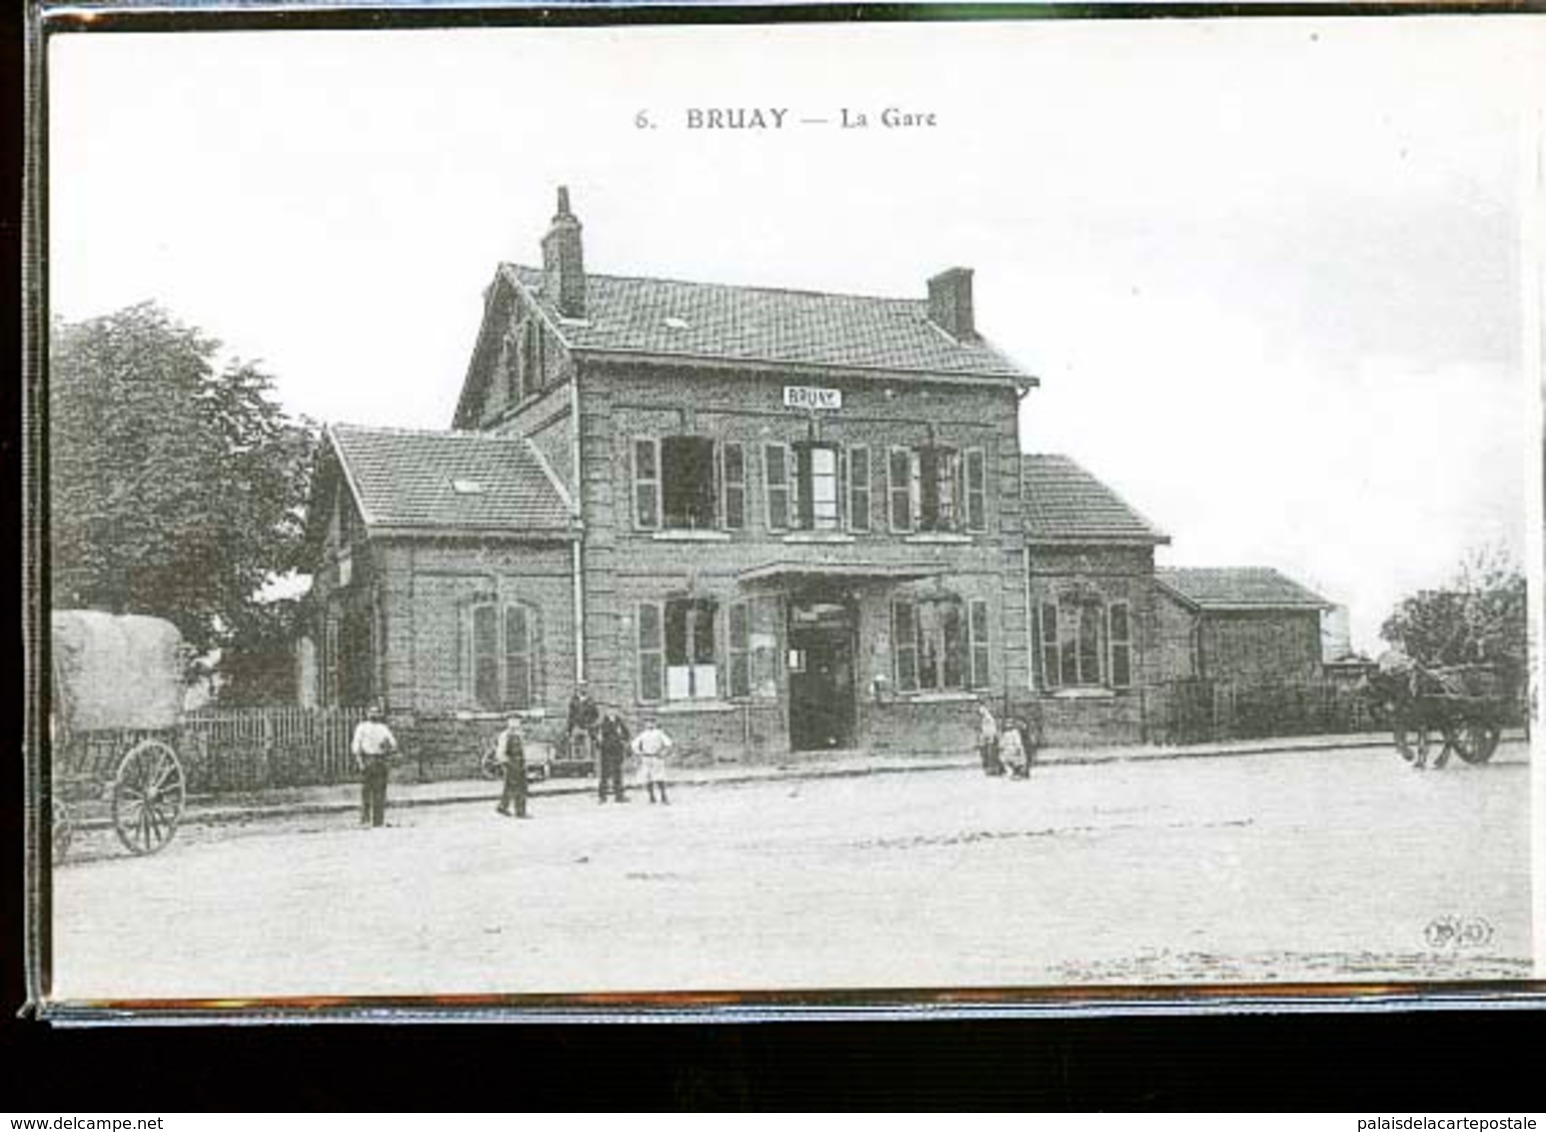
<point x="717" y="322"/>
<point x="1064" y="504"/>
<point x="451" y="482"/>
<point x="1237" y="588"/>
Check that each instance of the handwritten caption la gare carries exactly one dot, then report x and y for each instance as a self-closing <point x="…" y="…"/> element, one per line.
<point x="769" y="119"/>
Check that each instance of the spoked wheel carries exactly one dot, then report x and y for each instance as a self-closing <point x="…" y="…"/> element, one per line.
<point x="148" y="797"/>
<point x="1478" y="740"/>
<point x="1413" y="741"/>
<point x="61" y="829"/>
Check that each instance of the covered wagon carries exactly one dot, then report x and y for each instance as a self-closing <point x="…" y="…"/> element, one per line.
<point x="118" y="688"/>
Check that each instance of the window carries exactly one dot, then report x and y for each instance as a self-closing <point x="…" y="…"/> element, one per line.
<point x="816" y="481"/>
<point x="859" y="488"/>
<point x="687" y="483"/>
<point x="676" y="650"/>
<point x="1085" y="643"/>
<point x="531" y="359"/>
<point x="775" y="468"/>
<point x="941" y="644"/>
<point x="500" y="655"/>
<point x="1121" y="645"/>
<point x="687" y="488"/>
<point x="976" y="490"/>
<point x="925" y="490"/>
<point x="734" y="479"/>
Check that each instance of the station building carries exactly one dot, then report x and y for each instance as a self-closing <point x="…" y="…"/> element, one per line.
<point x="780" y="521"/>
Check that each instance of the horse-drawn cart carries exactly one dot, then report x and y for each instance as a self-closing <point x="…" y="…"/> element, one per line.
<point x="1462" y="709"/>
<point x="118" y="687"/>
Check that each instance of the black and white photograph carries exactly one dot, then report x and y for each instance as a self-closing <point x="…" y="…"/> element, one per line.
<point x="1006" y="510"/>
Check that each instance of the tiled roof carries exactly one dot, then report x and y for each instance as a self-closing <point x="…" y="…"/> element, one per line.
<point x="1237" y="587"/>
<point x="759" y="324"/>
<point x="472" y="481"/>
<point x="1063" y="503"/>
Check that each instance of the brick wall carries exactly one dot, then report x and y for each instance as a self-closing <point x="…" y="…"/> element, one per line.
<point x="1261" y="648"/>
<point x="1099" y="715"/>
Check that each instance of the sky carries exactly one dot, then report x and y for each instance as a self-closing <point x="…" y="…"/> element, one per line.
<point x="1270" y="273"/>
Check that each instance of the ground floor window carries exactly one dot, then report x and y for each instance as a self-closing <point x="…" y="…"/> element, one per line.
<point x="677" y="657"/>
<point x="941" y="644"/>
<point x="500" y="658"/>
<point x="1084" y="643"/>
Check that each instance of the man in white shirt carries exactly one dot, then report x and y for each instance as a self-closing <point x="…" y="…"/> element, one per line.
<point x="652" y="745"/>
<point x="373" y="747"/>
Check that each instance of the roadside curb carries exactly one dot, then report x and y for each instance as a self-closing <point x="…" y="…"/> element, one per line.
<point x="488" y="792"/>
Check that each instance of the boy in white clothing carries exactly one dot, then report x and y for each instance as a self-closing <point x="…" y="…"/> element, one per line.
<point x="652" y="745"/>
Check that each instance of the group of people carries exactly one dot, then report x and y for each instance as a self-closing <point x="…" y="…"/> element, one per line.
<point x="1006" y="750"/>
<point x="593" y="733"/>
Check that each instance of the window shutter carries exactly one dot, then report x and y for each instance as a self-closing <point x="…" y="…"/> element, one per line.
<point x="859" y="488"/>
<point x="646" y="482"/>
<point x="976" y="490"/>
<point x="1050" y="652"/>
<point x="733" y="476"/>
<point x="904" y="637"/>
<point x="740" y="650"/>
<point x="899" y="488"/>
<point x="518" y="658"/>
<point x="1119" y="632"/>
<point x="485" y="656"/>
<point x="651" y="652"/>
<point x="805" y="508"/>
<point x="775" y="474"/>
<point x="979" y="645"/>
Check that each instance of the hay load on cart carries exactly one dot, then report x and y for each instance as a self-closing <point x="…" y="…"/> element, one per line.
<point x="118" y="688"/>
<point x="1458" y="709"/>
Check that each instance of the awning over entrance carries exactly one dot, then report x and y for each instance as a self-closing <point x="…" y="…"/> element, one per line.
<point x="799" y="573"/>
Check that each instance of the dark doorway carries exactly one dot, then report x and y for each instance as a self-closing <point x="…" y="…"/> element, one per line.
<point x="821" y="673"/>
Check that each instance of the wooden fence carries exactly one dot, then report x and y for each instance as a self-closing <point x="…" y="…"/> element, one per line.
<point x="263" y="748"/>
<point x="1202" y="711"/>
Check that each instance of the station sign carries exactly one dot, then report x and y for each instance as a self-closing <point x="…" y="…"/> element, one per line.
<point x="812" y="397"/>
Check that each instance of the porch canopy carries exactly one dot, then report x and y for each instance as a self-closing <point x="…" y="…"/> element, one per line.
<point x="809" y="572"/>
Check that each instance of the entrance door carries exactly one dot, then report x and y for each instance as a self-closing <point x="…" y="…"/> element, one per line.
<point x="821" y="675"/>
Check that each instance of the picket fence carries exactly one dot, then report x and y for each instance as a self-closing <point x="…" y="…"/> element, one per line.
<point x="263" y="748"/>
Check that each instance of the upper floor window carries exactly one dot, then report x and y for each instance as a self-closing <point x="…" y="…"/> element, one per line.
<point x="816" y="486"/>
<point x="688" y="483"/>
<point x="936" y="488"/>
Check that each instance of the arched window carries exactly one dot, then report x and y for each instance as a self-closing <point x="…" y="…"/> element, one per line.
<point x="501" y="654"/>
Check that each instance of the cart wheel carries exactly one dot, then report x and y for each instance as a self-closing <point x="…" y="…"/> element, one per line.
<point x="1478" y="740"/>
<point x="1413" y="742"/>
<point x="62" y="830"/>
<point x="148" y="797"/>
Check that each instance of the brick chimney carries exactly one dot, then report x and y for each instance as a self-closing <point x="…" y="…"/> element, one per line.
<point x="563" y="261"/>
<point x="950" y="303"/>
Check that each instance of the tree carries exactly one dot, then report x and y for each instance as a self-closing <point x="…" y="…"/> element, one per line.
<point x="1480" y="617"/>
<point x="175" y="489"/>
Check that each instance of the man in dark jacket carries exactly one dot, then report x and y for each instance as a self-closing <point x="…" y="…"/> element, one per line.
<point x="613" y="740"/>
<point x="584" y="715"/>
<point x="510" y="755"/>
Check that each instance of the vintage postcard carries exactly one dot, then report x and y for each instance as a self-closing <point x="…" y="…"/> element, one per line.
<point x="1033" y="512"/>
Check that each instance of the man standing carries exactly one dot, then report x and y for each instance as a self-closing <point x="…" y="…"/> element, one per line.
<point x="988" y="739"/>
<point x="583" y="717"/>
<point x="613" y="743"/>
<point x="373" y="747"/>
<point x="652" y="746"/>
<point x="510" y="753"/>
